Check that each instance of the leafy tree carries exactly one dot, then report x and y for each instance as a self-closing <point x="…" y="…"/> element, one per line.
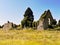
<point x="59" y="23"/>
<point x="0" y="26"/>
<point x="54" y="22"/>
<point x="28" y="18"/>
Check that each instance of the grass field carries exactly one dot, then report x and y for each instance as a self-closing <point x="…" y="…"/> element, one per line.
<point x="29" y="37"/>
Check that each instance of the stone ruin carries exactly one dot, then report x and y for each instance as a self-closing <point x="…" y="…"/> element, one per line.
<point x="45" y="20"/>
<point x="8" y="26"/>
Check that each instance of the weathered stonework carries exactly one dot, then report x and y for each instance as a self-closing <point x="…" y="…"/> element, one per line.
<point x="8" y="26"/>
<point x="45" y="20"/>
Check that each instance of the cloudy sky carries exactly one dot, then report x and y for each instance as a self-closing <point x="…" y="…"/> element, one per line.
<point x="13" y="10"/>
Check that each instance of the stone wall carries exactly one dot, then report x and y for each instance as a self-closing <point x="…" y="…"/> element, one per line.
<point x="8" y="26"/>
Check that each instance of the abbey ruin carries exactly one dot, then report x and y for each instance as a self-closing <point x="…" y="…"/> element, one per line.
<point x="45" y="20"/>
<point x="43" y="23"/>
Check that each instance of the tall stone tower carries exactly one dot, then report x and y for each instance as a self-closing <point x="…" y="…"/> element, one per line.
<point x="45" y="20"/>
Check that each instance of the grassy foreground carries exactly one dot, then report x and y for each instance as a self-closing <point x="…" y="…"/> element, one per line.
<point x="29" y="37"/>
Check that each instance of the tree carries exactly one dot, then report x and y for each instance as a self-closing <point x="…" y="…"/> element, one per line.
<point x="59" y="23"/>
<point x="54" y="22"/>
<point x="0" y="26"/>
<point x="28" y="18"/>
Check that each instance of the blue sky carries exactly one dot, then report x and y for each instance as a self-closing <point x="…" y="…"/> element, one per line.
<point x="13" y="10"/>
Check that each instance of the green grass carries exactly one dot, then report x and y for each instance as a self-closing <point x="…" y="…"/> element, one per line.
<point x="29" y="37"/>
